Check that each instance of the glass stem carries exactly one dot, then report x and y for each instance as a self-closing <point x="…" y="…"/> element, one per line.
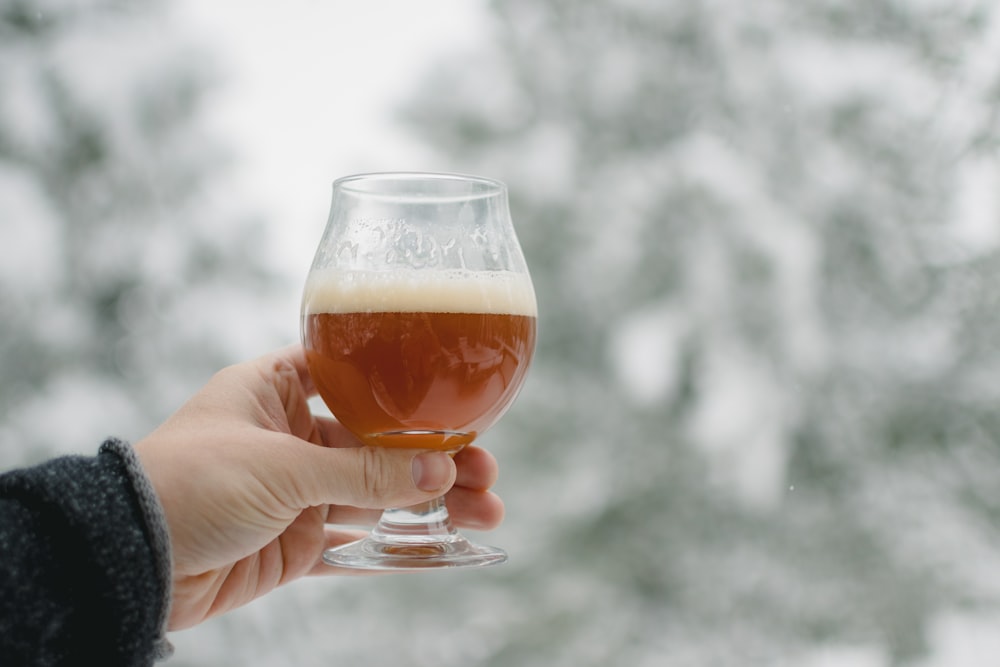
<point x="423" y="523"/>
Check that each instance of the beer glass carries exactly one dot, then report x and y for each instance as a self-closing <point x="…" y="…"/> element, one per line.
<point x="418" y="322"/>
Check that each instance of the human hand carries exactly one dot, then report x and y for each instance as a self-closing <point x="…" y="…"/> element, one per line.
<point x="248" y="478"/>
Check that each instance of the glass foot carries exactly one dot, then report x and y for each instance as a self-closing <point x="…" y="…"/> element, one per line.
<point x="414" y="538"/>
<point x="373" y="554"/>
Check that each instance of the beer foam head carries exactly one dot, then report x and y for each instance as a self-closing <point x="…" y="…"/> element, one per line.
<point x="457" y="291"/>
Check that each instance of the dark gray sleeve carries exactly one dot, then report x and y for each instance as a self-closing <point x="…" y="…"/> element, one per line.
<point x="84" y="563"/>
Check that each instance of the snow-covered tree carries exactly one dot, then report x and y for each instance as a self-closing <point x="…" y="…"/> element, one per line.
<point x="762" y="420"/>
<point x="126" y="273"/>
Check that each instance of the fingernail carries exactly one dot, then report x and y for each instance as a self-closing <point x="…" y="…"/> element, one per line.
<point x="431" y="470"/>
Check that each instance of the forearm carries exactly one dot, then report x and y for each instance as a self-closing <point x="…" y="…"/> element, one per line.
<point x="85" y="563"/>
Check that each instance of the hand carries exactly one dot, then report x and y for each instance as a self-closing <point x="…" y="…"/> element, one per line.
<point x="248" y="477"/>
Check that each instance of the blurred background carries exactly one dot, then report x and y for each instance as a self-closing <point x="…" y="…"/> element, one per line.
<point x="763" y="427"/>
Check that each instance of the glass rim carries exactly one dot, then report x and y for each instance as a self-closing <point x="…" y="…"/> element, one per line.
<point x="490" y="187"/>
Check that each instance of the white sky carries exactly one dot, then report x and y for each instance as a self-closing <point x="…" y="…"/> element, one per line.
<point x="311" y="85"/>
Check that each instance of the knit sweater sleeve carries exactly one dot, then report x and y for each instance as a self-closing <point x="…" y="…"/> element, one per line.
<point x="84" y="563"/>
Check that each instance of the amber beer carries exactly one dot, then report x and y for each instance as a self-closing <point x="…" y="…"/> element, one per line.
<point x="428" y="359"/>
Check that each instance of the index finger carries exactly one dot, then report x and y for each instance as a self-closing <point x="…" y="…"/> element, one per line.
<point x="295" y="356"/>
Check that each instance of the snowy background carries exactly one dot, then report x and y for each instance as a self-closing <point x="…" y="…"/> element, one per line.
<point x="762" y="427"/>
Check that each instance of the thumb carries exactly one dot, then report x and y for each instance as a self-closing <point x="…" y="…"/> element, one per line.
<point x="366" y="477"/>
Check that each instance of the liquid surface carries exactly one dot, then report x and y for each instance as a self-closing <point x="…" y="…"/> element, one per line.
<point x="333" y="291"/>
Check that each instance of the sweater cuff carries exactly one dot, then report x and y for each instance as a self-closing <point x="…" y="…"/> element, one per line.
<point x="157" y="532"/>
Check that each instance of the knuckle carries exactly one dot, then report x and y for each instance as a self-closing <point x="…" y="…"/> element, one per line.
<point x="376" y="478"/>
<point x="276" y="371"/>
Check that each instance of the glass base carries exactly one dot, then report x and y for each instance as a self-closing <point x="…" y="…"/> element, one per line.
<point x="373" y="554"/>
<point x="414" y="538"/>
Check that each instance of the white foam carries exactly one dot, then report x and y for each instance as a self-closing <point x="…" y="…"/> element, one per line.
<point x="457" y="291"/>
